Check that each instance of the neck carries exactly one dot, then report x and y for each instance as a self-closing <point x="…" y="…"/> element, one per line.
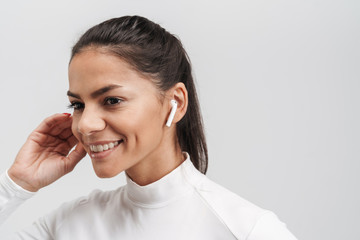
<point x="156" y="165"/>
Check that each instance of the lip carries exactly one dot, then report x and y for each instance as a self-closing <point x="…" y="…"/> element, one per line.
<point x="106" y="153"/>
<point x="103" y="142"/>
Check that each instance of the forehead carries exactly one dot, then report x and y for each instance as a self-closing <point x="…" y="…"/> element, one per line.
<point x="93" y="69"/>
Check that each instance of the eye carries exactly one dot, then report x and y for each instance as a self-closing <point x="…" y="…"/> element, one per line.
<point x="76" y="106"/>
<point x="112" y="101"/>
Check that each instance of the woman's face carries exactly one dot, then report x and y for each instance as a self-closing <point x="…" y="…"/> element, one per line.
<point x="118" y="115"/>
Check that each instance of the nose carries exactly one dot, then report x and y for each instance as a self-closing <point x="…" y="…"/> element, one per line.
<point x="90" y="122"/>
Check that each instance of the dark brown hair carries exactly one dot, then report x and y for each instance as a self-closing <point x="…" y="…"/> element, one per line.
<point x="152" y="50"/>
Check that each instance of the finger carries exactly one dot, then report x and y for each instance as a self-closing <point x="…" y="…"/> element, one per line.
<point x="60" y="127"/>
<point x="72" y="141"/>
<point x="44" y="140"/>
<point x="65" y="134"/>
<point x="74" y="157"/>
<point x="50" y="122"/>
<point x="65" y="146"/>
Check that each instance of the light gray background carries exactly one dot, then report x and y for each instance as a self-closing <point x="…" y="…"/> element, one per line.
<point x="278" y="84"/>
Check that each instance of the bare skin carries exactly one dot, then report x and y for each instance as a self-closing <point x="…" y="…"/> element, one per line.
<point x="132" y="115"/>
<point x="45" y="157"/>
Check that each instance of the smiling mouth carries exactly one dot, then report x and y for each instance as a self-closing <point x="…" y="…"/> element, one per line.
<point x="104" y="147"/>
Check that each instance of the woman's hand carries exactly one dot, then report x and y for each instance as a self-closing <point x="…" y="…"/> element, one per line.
<point x="45" y="157"/>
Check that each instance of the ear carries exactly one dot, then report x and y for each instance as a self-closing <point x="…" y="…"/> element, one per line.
<point x="179" y="93"/>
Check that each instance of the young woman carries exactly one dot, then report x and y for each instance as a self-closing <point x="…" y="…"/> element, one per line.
<point x="135" y="110"/>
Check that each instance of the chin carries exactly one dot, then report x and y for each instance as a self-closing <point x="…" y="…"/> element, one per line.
<point x="105" y="173"/>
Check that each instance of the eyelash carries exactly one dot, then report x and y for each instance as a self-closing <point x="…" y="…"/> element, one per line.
<point x="78" y="106"/>
<point x="74" y="105"/>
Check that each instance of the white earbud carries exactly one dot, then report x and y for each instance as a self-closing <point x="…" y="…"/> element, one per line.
<point x="172" y="113"/>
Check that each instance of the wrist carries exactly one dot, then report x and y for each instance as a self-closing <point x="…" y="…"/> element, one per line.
<point x="21" y="183"/>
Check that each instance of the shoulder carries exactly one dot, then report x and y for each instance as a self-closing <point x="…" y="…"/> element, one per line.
<point x="243" y="218"/>
<point x="238" y="214"/>
<point x="85" y="207"/>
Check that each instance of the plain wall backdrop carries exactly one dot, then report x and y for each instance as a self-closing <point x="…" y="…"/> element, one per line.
<point x="278" y="83"/>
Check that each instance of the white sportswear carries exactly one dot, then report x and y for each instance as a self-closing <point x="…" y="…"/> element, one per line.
<point x="184" y="205"/>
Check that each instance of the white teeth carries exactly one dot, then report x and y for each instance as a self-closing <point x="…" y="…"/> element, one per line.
<point x="100" y="148"/>
<point x="104" y="147"/>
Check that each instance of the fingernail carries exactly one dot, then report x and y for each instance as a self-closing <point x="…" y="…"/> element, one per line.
<point x="67" y="114"/>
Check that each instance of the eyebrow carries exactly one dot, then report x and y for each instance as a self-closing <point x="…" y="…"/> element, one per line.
<point x="96" y="93"/>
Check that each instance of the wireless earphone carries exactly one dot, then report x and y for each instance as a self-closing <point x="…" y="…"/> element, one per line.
<point x="172" y="113"/>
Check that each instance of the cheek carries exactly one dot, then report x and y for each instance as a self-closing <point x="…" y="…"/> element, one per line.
<point x="141" y="126"/>
<point x="151" y="126"/>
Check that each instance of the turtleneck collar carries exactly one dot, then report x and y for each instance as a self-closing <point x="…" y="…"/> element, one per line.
<point x="178" y="182"/>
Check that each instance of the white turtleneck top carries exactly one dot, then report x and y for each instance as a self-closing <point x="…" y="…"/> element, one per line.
<point x="184" y="204"/>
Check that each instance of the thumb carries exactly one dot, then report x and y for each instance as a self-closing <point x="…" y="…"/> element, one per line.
<point x="74" y="157"/>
